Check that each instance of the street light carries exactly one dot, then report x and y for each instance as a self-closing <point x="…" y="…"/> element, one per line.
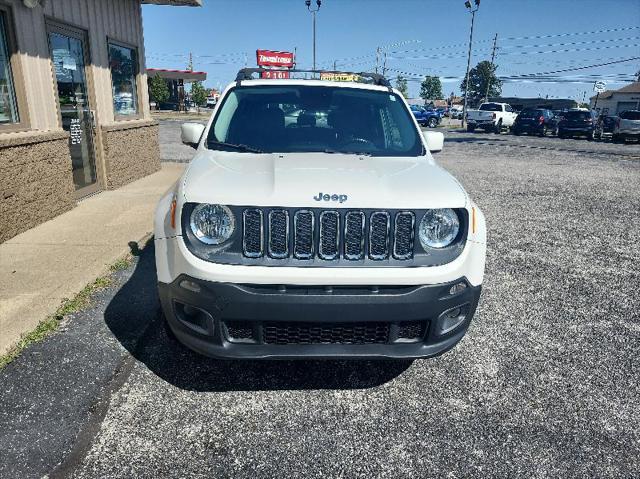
<point x="473" y="11"/>
<point x="313" y="12"/>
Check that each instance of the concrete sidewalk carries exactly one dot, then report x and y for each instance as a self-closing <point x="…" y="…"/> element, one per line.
<point x="53" y="261"/>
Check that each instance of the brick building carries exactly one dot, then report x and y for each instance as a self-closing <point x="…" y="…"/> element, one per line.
<point x="74" y="107"/>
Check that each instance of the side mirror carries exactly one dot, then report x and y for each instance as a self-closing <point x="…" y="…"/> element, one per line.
<point x="191" y="133"/>
<point x="434" y="140"/>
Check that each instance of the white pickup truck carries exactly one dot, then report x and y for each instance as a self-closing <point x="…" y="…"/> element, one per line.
<point x="627" y="126"/>
<point x="491" y="117"/>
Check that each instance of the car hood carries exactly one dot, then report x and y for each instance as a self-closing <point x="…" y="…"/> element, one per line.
<point x="298" y="179"/>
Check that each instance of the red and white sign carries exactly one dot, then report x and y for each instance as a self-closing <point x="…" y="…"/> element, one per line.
<point x="268" y="58"/>
<point x="275" y="74"/>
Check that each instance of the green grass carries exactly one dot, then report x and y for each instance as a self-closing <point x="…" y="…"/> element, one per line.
<point x="79" y="302"/>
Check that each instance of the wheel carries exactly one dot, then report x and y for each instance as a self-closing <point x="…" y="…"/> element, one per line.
<point x="555" y="131"/>
<point x="471" y="128"/>
<point x="561" y="134"/>
<point x="498" y="128"/>
<point x="543" y="132"/>
<point x="432" y="123"/>
<point x="591" y="135"/>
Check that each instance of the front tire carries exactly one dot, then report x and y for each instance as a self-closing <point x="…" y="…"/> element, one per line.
<point x="543" y="131"/>
<point x="498" y="128"/>
<point x="471" y="128"/>
<point x="432" y="123"/>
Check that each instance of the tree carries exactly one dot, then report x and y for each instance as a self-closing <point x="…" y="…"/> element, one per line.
<point x="158" y="90"/>
<point x="402" y="86"/>
<point x="198" y="94"/>
<point x="483" y="74"/>
<point x="431" y="88"/>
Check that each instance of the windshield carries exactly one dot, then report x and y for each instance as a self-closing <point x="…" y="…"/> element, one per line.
<point x="577" y="115"/>
<point x="490" y="107"/>
<point x="302" y="118"/>
<point x="531" y="113"/>
<point x="630" y="115"/>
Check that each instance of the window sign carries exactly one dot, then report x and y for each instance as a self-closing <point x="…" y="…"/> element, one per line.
<point x="123" y="63"/>
<point x="8" y="109"/>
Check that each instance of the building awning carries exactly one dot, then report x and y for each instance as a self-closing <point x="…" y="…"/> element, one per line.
<point x="176" y="3"/>
<point x="185" y="75"/>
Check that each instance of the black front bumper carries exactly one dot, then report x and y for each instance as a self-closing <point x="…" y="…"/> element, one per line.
<point x="228" y="320"/>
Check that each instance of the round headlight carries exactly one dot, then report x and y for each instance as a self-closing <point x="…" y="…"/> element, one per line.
<point x="212" y="224"/>
<point x="438" y="228"/>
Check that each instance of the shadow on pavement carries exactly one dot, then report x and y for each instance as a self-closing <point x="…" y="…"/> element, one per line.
<point x="134" y="317"/>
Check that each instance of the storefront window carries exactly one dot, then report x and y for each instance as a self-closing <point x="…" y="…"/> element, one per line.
<point x="8" y="110"/>
<point x="123" y="63"/>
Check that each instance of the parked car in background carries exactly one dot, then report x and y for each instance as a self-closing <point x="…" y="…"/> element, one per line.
<point x="537" y="121"/>
<point x="455" y="112"/>
<point x="627" y="126"/>
<point x="577" y="123"/>
<point x="605" y="126"/>
<point x="491" y="117"/>
<point x="425" y="117"/>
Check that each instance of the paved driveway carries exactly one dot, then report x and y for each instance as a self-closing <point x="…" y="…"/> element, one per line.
<point x="545" y="384"/>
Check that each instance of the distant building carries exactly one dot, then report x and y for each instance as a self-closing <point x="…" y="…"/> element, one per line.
<point x="549" y="103"/>
<point x="612" y="102"/>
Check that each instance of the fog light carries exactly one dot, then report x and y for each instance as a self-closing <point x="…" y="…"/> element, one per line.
<point x="457" y="288"/>
<point x="190" y="285"/>
<point x="451" y="319"/>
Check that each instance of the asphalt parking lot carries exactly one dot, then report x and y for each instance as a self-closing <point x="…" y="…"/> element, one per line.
<point x="545" y="384"/>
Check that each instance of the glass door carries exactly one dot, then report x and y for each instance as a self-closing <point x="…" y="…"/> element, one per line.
<point x="69" y="55"/>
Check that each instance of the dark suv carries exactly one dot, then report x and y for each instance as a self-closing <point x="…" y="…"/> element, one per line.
<point x="577" y="123"/>
<point x="537" y="121"/>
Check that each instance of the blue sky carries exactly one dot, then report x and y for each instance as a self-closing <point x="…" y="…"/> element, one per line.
<point x="430" y="37"/>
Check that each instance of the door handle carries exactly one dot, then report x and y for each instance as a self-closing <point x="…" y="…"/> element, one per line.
<point x="93" y="119"/>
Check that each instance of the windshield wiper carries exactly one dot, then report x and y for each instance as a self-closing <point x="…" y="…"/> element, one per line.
<point x="361" y="153"/>
<point x="237" y="147"/>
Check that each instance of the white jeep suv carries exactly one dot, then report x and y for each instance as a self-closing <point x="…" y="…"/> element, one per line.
<point x="314" y="222"/>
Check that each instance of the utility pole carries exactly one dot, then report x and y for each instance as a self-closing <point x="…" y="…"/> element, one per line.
<point x="493" y="56"/>
<point x="313" y="12"/>
<point x="467" y="4"/>
<point x="334" y="65"/>
<point x="377" y="58"/>
<point x="190" y="66"/>
<point x="384" y="64"/>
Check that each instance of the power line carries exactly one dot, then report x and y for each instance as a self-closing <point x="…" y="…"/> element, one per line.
<point x="587" y="42"/>
<point x="555" y="35"/>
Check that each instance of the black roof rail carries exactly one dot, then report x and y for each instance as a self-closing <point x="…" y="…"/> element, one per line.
<point x="246" y="74"/>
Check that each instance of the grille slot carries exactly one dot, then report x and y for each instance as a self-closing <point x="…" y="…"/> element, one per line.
<point x="354" y="235"/>
<point x="252" y="238"/>
<point x="303" y="222"/>
<point x="403" y="235"/>
<point x="278" y="234"/>
<point x="347" y="236"/>
<point x="379" y="235"/>
<point x="325" y="333"/>
<point x="329" y="247"/>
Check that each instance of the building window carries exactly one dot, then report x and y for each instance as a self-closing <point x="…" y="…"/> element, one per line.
<point x="8" y="104"/>
<point x="123" y="62"/>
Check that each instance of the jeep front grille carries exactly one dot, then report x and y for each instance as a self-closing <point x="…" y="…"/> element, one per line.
<point x="329" y="235"/>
